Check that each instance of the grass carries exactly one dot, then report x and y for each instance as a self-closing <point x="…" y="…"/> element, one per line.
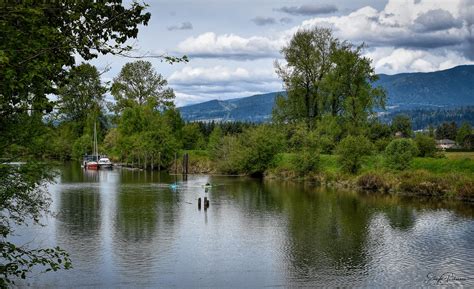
<point x="451" y="176"/>
<point x="444" y="165"/>
<point x="460" y="155"/>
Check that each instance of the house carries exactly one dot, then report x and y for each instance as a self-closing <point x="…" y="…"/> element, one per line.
<point x="445" y="144"/>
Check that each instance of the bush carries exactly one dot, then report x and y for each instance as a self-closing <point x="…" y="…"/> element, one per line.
<point x="400" y="153"/>
<point x="372" y="182"/>
<point x="305" y="162"/>
<point x="423" y="183"/>
<point x="381" y="144"/>
<point x="351" y="151"/>
<point x="465" y="190"/>
<point x="251" y="152"/>
<point x="426" y="145"/>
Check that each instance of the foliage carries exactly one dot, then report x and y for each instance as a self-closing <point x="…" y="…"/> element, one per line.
<point x="214" y="142"/>
<point x="426" y="145"/>
<point x="144" y="135"/>
<point x="229" y="155"/>
<point x="325" y="76"/>
<point x="422" y="118"/>
<point x="423" y="183"/>
<point x="40" y="39"/>
<point x="192" y="137"/>
<point x="447" y="131"/>
<point x="305" y="161"/>
<point x="251" y="152"/>
<point x="377" y="130"/>
<point x="24" y="198"/>
<point x="351" y="151"/>
<point x="260" y="145"/>
<point x="401" y="123"/>
<point x="464" y="130"/>
<point x="82" y="94"/>
<point x="138" y="84"/>
<point x="400" y="153"/>
<point x="373" y="182"/>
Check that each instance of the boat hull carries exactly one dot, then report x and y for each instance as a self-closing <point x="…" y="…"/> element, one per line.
<point x="92" y="166"/>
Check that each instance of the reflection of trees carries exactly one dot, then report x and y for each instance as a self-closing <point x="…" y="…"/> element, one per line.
<point x="325" y="229"/>
<point x="144" y="226"/>
<point x="80" y="208"/>
<point x="80" y="223"/>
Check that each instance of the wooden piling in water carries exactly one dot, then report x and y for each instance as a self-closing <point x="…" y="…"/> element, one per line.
<point x="175" y="163"/>
<point x="199" y="203"/>
<point x="185" y="163"/>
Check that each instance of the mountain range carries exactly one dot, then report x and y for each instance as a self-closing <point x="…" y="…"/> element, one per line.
<point x="440" y="89"/>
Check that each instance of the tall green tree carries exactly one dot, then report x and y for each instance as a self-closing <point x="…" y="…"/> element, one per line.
<point x="402" y="124"/>
<point x="324" y="76"/>
<point x="139" y="84"/>
<point x="82" y="94"/>
<point x="464" y="130"/>
<point x="447" y="130"/>
<point x="308" y="61"/>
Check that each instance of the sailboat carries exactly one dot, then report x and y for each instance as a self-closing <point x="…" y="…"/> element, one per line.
<point x="91" y="162"/>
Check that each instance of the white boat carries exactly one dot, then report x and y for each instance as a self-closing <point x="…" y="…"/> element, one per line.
<point x="105" y="163"/>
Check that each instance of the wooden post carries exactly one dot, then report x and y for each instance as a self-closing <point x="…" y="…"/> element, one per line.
<point x="199" y="203"/>
<point x="175" y="163"/>
<point x="144" y="161"/>
<point x="187" y="162"/>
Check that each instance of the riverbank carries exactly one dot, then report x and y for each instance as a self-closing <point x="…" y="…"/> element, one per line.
<point x="451" y="176"/>
<point x="447" y="177"/>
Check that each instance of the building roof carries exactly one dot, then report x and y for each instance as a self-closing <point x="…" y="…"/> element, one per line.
<point x="445" y="141"/>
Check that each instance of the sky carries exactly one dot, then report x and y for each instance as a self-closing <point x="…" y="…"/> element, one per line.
<point x="232" y="44"/>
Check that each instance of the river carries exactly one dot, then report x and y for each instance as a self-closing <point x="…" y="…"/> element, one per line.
<point x="127" y="228"/>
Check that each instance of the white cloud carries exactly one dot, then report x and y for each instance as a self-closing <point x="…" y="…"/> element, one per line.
<point x="218" y="74"/>
<point x="196" y="84"/>
<point x="391" y="60"/>
<point x="210" y="45"/>
<point x="394" y="26"/>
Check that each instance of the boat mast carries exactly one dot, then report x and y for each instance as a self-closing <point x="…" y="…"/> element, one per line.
<point x="95" y="143"/>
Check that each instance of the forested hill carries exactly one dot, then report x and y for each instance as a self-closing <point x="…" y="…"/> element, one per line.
<point x="452" y="87"/>
<point x="441" y="89"/>
<point x="256" y="108"/>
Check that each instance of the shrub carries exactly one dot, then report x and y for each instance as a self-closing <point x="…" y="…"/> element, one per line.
<point x="351" y="151"/>
<point x="426" y="145"/>
<point x="381" y="144"/>
<point x="372" y="182"/>
<point x="305" y="162"/>
<point x="400" y="153"/>
<point x="465" y="190"/>
<point x="423" y="183"/>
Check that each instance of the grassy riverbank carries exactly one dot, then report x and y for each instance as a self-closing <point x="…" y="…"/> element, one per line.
<point x="451" y="176"/>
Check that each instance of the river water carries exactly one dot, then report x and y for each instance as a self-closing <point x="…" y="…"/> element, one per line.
<point x="130" y="229"/>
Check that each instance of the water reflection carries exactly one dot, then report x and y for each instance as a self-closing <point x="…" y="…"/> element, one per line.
<point x="130" y="229"/>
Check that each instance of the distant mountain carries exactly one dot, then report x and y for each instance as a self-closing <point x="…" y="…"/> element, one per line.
<point x="441" y="89"/>
<point x="256" y="108"/>
<point x="452" y="87"/>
